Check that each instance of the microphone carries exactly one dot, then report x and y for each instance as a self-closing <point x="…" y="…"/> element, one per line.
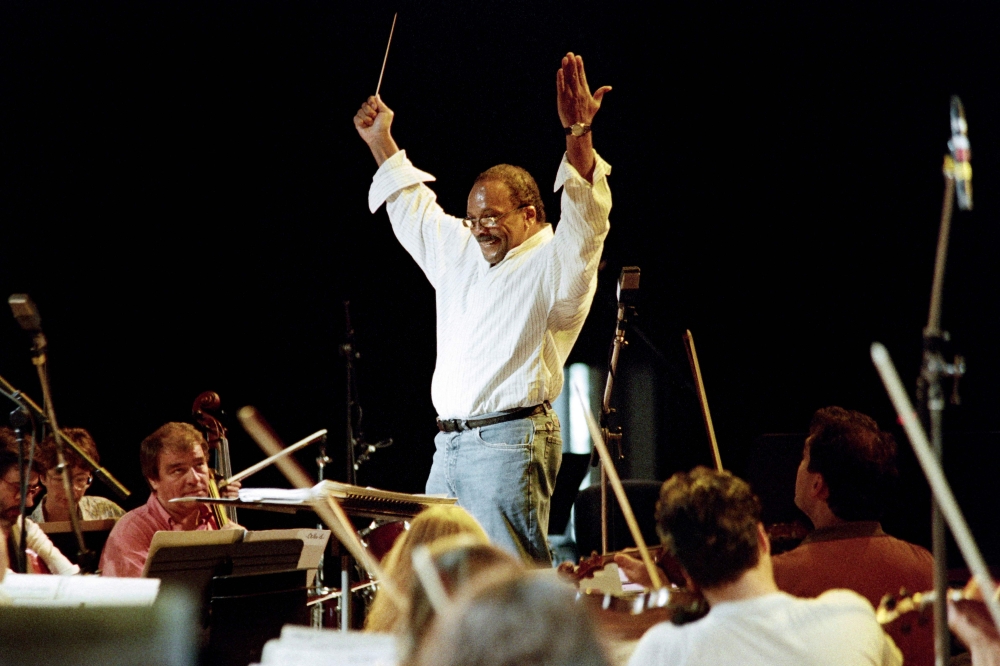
<point x="628" y="289"/>
<point x="960" y="154"/>
<point x="25" y="312"/>
<point x="28" y="318"/>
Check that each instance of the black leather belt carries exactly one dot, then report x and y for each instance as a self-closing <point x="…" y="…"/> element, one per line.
<point x="458" y="425"/>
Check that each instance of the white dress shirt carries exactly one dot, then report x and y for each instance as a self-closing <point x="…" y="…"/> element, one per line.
<point x="503" y="332"/>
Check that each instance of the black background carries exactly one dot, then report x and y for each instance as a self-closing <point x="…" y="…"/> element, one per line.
<point x="183" y="194"/>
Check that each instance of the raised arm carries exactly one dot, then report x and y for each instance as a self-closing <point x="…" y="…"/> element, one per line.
<point x="576" y="107"/>
<point x="373" y="121"/>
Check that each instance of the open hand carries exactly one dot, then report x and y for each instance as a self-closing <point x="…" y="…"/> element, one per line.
<point x="575" y="103"/>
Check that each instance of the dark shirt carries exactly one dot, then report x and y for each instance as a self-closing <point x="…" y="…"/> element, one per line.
<point x="859" y="556"/>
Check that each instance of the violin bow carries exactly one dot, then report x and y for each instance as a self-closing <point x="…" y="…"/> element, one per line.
<point x="616" y="485"/>
<point x="706" y="413"/>
<point x="253" y="469"/>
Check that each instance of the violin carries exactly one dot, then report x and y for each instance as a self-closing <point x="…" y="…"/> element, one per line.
<point x="894" y="606"/>
<point x="218" y="445"/>
<point x="630" y="615"/>
<point x="586" y="568"/>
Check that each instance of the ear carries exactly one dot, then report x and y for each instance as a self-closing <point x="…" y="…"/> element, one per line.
<point x="763" y="541"/>
<point x="530" y="215"/>
<point x="819" y="488"/>
<point x="153" y="483"/>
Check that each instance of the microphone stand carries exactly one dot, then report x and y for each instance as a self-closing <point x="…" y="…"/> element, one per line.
<point x="85" y="557"/>
<point x="628" y="288"/>
<point x="943" y="495"/>
<point x="19" y="418"/>
<point x="930" y="396"/>
<point x="39" y="414"/>
<point x="319" y="587"/>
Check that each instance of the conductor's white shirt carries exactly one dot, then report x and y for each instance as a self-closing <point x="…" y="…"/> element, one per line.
<point x="503" y="332"/>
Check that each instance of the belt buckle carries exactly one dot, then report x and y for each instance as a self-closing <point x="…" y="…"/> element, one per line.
<point x="452" y="425"/>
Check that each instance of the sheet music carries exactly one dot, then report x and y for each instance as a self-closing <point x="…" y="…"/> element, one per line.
<point x="327" y="647"/>
<point x="77" y="591"/>
<point x="355" y="500"/>
<point x="289" y="495"/>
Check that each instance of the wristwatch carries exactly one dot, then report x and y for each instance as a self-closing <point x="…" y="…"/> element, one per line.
<point x="577" y="129"/>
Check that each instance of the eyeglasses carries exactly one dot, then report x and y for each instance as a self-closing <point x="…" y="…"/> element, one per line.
<point x="33" y="489"/>
<point x="489" y="221"/>
<point x="81" y="481"/>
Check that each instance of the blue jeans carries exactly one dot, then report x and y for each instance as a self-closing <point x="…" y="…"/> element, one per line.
<point x="504" y="475"/>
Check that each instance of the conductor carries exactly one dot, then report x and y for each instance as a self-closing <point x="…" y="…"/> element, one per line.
<point x="511" y="295"/>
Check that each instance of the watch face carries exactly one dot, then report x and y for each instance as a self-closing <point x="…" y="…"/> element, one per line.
<point x="578" y="129"/>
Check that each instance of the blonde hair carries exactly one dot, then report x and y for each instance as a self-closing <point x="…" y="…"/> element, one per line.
<point x="455" y="563"/>
<point x="430" y="525"/>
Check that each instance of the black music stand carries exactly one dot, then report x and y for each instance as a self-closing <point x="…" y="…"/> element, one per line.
<point x="248" y="610"/>
<point x="95" y="534"/>
<point x="246" y="591"/>
<point x="193" y="567"/>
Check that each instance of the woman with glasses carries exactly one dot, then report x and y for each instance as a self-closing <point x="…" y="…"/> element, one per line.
<point x="54" y="506"/>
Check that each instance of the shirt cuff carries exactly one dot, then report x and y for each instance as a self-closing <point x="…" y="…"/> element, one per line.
<point x="396" y="173"/>
<point x="566" y="171"/>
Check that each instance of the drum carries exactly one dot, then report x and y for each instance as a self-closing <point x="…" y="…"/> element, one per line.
<point x="379" y="539"/>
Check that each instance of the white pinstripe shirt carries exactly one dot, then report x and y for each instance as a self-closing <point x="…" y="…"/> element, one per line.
<point x="503" y="333"/>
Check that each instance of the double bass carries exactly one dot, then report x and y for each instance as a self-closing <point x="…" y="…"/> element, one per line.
<point x="218" y="445"/>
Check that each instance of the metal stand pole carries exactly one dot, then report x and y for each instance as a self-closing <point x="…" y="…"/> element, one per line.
<point x="933" y="367"/>
<point x="628" y="287"/>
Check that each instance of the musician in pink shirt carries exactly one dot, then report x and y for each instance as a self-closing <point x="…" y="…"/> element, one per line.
<point x="174" y="460"/>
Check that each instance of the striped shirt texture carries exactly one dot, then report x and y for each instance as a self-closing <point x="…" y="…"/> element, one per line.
<point x="503" y="332"/>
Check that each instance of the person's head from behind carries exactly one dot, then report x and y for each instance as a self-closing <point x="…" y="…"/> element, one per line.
<point x="848" y="464"/>
<point x="79" y="472"/>
<point x="442" y="570"/>
<point x="428" y="526"/>
<point x="174" y="460"/>
<point x="527" y="619"/>
<point x="710" y="521"/>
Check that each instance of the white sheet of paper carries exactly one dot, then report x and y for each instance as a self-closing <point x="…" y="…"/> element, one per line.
<point x="327" y="647"/>
<point x="290" y="495"/>
<point x="77" y="591"/>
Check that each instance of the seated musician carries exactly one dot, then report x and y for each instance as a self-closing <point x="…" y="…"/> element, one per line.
<point x="54" y="506"/>
<point x="710" y="521"/>
<point x="430" y="525"/>
<point x="42" y="555"/>
<point x="174" y="460"/>
<point x="502" y="618"/>
<point x="843" y="482"/>
<point x="452" y="564"/>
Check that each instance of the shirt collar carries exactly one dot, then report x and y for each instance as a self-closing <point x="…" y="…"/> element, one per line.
<point x="164" y="517"/>
<point x="540" y="237"/>
<point x="854" y="529"/>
